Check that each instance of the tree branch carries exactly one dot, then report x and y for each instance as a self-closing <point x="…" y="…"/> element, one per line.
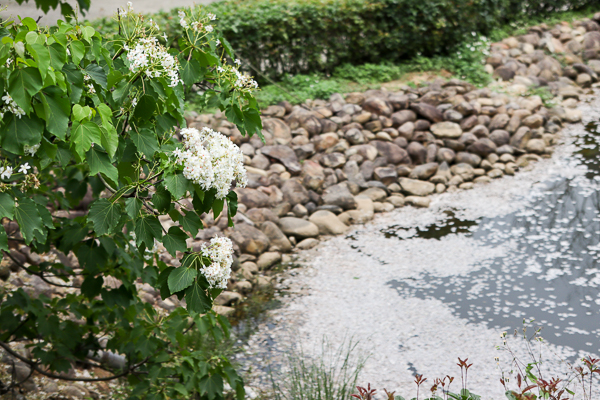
<point x="35" y="368"/>
<point x="40" y="275"/>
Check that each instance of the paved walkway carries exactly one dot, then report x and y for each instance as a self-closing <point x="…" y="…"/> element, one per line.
<point x="98" y="8"/>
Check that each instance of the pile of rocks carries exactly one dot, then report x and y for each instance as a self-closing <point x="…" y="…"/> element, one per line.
<point x="325" y="165"/>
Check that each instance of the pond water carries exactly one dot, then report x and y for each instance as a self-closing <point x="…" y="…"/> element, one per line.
<point x="422" y="287"/>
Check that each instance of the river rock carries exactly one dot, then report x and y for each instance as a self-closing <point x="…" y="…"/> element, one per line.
<point x="536" y="146"/>
<point x="267" y="260"/>
<point x="339" y="195"/>
<point x="521" y="137"/>
<point x="385" y="175"/>
<point x="591" y="45"/>
<point x="393" y="153"/>
<point x="312" y="175"/>
<point x="276" y="237"/>
<point x="428" y="111"/>
<point x="284" y="155"/>
<point x="333" y="160"/>
<point x="401" y="117"/>
<point x="249" y="239"/>
<point x="416" y="187"/>
<point x="298" y="227"/>
<point x="294" y="193"/>
<point x="417" y="152"/>
<point x="280" y="131"/>
<point x="355" y="136"/>
<point x="375" y="194"/>
<point x="467" y="158"/>
<point x="446" y="129"/>
<point x="482" y="147"/>
<point x="424" y="172"/>
<point x="417" y="201"/>
<point x="252" y="198"/>
<point x="364" y="211"/>
<point x="500" y="137"/>
<point x="377" y="105"/>
<point x="499" y="122"/>
<point x="260" y="215"/>
<point x="328" y="223"/>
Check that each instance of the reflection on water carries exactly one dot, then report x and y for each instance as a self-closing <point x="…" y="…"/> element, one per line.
<point x="553" y="272"/>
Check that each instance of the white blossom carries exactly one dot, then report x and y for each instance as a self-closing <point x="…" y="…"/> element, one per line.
<point x="209" y="28"/>
<point x="6" y="172"/>
<point x="150" y="57"/>
<point x="31" y="150"/>
<point x="24" y="168"/>
<point x="218" y="42"/>
<point x="212" y="16"/>
<point x="11" y="106"/>
<point x="182" y="20"/>
<point x="211" y="160"/>
<point x="220" y="252"/>
<point x="237" y="61"/>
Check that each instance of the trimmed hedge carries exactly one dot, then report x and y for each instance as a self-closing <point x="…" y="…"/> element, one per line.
<point x="302" y="36"/>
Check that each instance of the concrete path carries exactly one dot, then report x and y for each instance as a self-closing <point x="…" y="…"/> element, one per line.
<point x="98" y="8"/>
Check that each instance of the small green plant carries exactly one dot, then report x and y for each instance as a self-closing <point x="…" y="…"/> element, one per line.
<point x="330" y="376"/>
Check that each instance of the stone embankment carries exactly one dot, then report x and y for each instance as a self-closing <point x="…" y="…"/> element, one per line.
<point x="326" y="165"/>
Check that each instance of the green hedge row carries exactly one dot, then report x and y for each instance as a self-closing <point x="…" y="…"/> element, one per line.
<point x="301" y="36"/>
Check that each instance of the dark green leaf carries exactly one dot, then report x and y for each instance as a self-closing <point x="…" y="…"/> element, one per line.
<point x="100" y="163"/>
<point x="190" y="71"/>
<point x="145" y="108"/>
<point x="197" y="300"/>
<point x="146" y="230"/>
<point x="212" y="386"/>
<point x="181" y="278"/>
<point x="28" y="218"/>
<point x="77" y="51"/>
<point x="162" y="282"/>
<point x="177" y="184"/>
<point x="104" y="216"/>
<point x="3" y="239"/>
<point x="83" y="135"/>
<point x="191" y="222"/>
<point x="161" y="199"/>
<point x="57" y="108"/>
<point x="145" y="141"/>
<point x="217" y="207"/>
<point x="97" y="74"/>
<point x="22" y="84"/>
<point x="175" y="240"/>
<point x="7" y="206"/>
<point x="41" y="55"/>
<point x="58" y="56"/>
<point x="133" y="206"/>
<point x="91" y="287"/>
<point x="17" y="132"/>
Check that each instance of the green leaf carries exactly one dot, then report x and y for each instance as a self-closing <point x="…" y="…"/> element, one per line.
<point x="77" y="51"/>
<point x="133" y="206"/>
<point x="110" y="137"/>
<point x="80" y="113"/>
<point x="190" y="71"/>
<point x="7" y="206"/>
<point x="97" y="74"/>
<point x="100" y="163"/>
<point x="104" y="216"/>
<point x="145" y="141"/>
<point x="161" y="199"/>
<point x="87" y="33"/>
<point x="179" y="388"/>
<point x="177" y="184"/>
<point x="41" y="55"/>
<point x="181" y="278"/>
<point x="196" y="299"/>
<point x="58" y="55"/>
<point x="28" y="218"/>
<point x="232" y="206"/>
<point x="175" y="240"/>
<point x="3" y="239"/>
<point x="17" y="132"/>
<point x="46" y="216"/>
<point x="162" y="282"/>
<point x="113" y="78"/>
<point x="83" y="135"/>
<point x="75" y="78"/>
<point x="91" y="287"/>
<point x="212" y="386"/>
<point x="145" y="108"/>
<point x="191" y="223"/>
<point x="56" y="108"/>
<point x="22" y="84"/>
<point x="252" y="122"/>
<point x="217" y="207"/>
<point x="146" y="230"/>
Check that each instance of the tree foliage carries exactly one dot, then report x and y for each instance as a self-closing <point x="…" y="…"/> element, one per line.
<point x="84" y="116"/>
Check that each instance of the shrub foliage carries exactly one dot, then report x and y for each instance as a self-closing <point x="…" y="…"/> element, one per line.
<point x="87" y="117"/>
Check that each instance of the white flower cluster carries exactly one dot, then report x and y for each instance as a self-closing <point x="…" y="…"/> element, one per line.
<point x="7" y="171"/>
<point x="11" y="106"/>
<point x="150" y="56"/>
<point x="149" y="253"/>
<point x="220" y="252"/>
<point x="211" y="160"/>
<point x="197" y="26"/>
<point x="123" y="12"/>
<point x="87" y="80"/>
<point x="242" y="81"/>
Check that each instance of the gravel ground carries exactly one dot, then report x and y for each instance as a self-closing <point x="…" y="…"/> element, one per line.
<point x="344" y="290"/>
<point x="98" y="8"/>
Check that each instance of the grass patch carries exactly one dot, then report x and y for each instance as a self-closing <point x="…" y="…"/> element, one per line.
<point x="330" y="375"/>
